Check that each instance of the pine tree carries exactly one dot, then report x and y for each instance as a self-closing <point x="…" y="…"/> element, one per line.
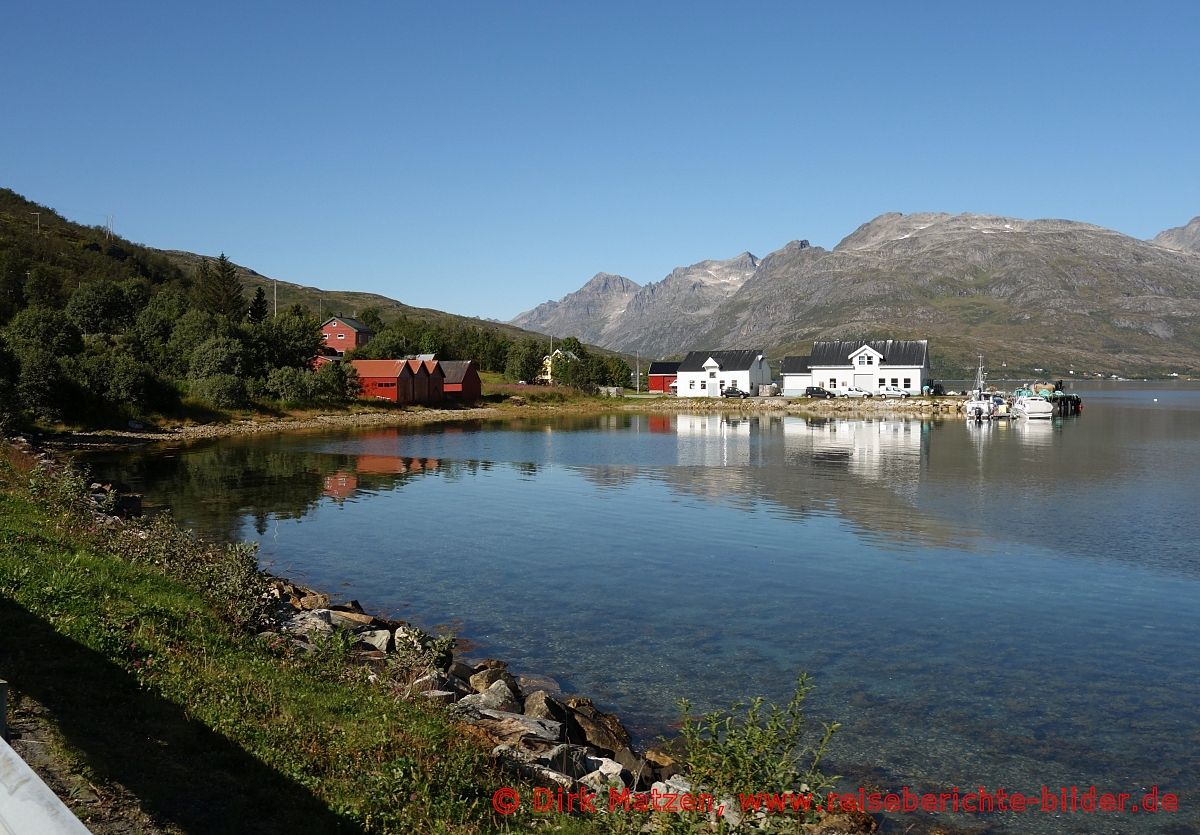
<point x="258" y="307"/>
<point x="218" y="289"/>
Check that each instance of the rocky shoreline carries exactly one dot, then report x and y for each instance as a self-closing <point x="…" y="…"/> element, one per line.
<point x="553" y="741"/>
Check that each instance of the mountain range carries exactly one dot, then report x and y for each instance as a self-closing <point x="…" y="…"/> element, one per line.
<point x="1057" y="294"/>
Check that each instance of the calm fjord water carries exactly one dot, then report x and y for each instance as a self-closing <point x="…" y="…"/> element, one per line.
<point x="977" y="605"/>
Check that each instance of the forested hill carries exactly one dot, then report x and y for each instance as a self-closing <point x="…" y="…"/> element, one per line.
<point x="95" y="329"/>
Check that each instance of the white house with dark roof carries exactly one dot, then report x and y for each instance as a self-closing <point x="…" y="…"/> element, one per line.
<point x="865" y="364"/>
<point x="708" y="373"/>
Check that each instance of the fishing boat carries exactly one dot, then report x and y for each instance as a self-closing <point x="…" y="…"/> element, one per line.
<point x="979" y="403"/>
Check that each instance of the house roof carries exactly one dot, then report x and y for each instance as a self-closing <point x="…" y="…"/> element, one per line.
<point x="350" y="323"/>
<point x="379" y="368"/>
<point x="421" y="357"/>
<point x="895" y="351"/>
<point x="660" y="367"/>
<point x="456" y="370"/>
<point x="728" y="360"/>
<point x="795" y="365"/>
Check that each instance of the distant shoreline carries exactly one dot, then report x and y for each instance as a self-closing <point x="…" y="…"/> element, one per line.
<point x="918" y="407"/>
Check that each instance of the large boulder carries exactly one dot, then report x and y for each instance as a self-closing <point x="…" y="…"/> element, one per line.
<point x="601" y="730"/>
<point x="571" y="760"/>
<point x="497" y="697"/>
<point x="544" y="706"/>
<point x="484" y="679"/>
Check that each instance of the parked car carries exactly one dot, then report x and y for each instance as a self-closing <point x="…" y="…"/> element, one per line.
<point x="817" y="391"/>
<point x="854" y="391"/>
<point x="891" y="391"/>
<point x="734" y="391"/>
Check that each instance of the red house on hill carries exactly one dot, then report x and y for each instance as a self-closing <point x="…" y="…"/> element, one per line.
<point x="462" y="380"/>
<point x="342" y="334"/>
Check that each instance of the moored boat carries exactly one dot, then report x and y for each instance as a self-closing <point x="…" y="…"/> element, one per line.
<point x="1032" y="407"/>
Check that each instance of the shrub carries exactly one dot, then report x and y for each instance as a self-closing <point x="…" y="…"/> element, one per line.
<point x="224" y="391"/>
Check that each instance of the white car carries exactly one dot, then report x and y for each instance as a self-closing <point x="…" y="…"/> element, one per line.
<point x="854" y="391"/>
<point x="891" y="391"/>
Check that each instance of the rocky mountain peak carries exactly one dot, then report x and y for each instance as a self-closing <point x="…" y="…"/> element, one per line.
<point x="1180" y="238"/>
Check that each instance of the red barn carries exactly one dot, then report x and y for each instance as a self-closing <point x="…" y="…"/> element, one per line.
<point x="462" y="380"/>
<point x="342" y="335"/>
<point x="386" y="380"/>
<point x="661" y="375"/>
<point x="437" y="381"/>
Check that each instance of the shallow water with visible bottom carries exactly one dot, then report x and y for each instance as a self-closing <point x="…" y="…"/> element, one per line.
<point x="977" y="605"/>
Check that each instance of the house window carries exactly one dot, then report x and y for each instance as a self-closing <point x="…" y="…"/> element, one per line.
<point x="870" y="360"/>
<point x="895" y="381"/>
<point x="908" y="382"/>
<point x="862" y="360"/>
<point x="833" y="384"/>
<point x="712" y="375"/>
<point x="882" y="382"/>
<point x="691" y="384"/>
<point x="704" y="384"/>
<point x="341" y="336"/>
<point x="722" y="386"/>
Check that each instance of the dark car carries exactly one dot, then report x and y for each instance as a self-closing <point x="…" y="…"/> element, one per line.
<point x="734" y="391"/>
<point x="817" y="391"/>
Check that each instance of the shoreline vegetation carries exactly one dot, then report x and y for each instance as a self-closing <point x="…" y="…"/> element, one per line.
<point x="534" y="402"/>
<point x="173" y="686"/>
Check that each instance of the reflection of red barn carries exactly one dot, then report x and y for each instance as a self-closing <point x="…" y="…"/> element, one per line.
<point x="660" y="423"/>
<point x="661" y="375"/>
<point x="462" y="380"/>
<point x="340" y="485"/>
<point x="342" y="335"/>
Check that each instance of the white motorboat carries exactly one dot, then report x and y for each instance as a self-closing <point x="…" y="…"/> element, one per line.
<point x="1031" y="407"/>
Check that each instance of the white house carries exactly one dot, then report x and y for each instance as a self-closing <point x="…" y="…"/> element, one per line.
<point x="839" y="364"/>
<point x="708" y="373"/>
<point x="548" y="361"/>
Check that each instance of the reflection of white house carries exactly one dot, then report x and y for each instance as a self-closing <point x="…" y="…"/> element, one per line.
<point x="839" y="364"/>
<point x="708" y="373"/>
<point x="878" y="450"/>
<point x="712" y="440"/>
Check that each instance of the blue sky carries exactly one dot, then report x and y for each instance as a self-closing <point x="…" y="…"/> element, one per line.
<point x="483" y="157"/>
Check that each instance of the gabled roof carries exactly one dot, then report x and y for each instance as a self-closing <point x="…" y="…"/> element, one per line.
<point x="727" y="360"/>
<point x="895" y="351"/>
<point x="456" y="370"/>
<point x="380" y="368"/>
<point x="795" y="365"/>
<point x="353" y="324"/>
<point x="660" y="367"/>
